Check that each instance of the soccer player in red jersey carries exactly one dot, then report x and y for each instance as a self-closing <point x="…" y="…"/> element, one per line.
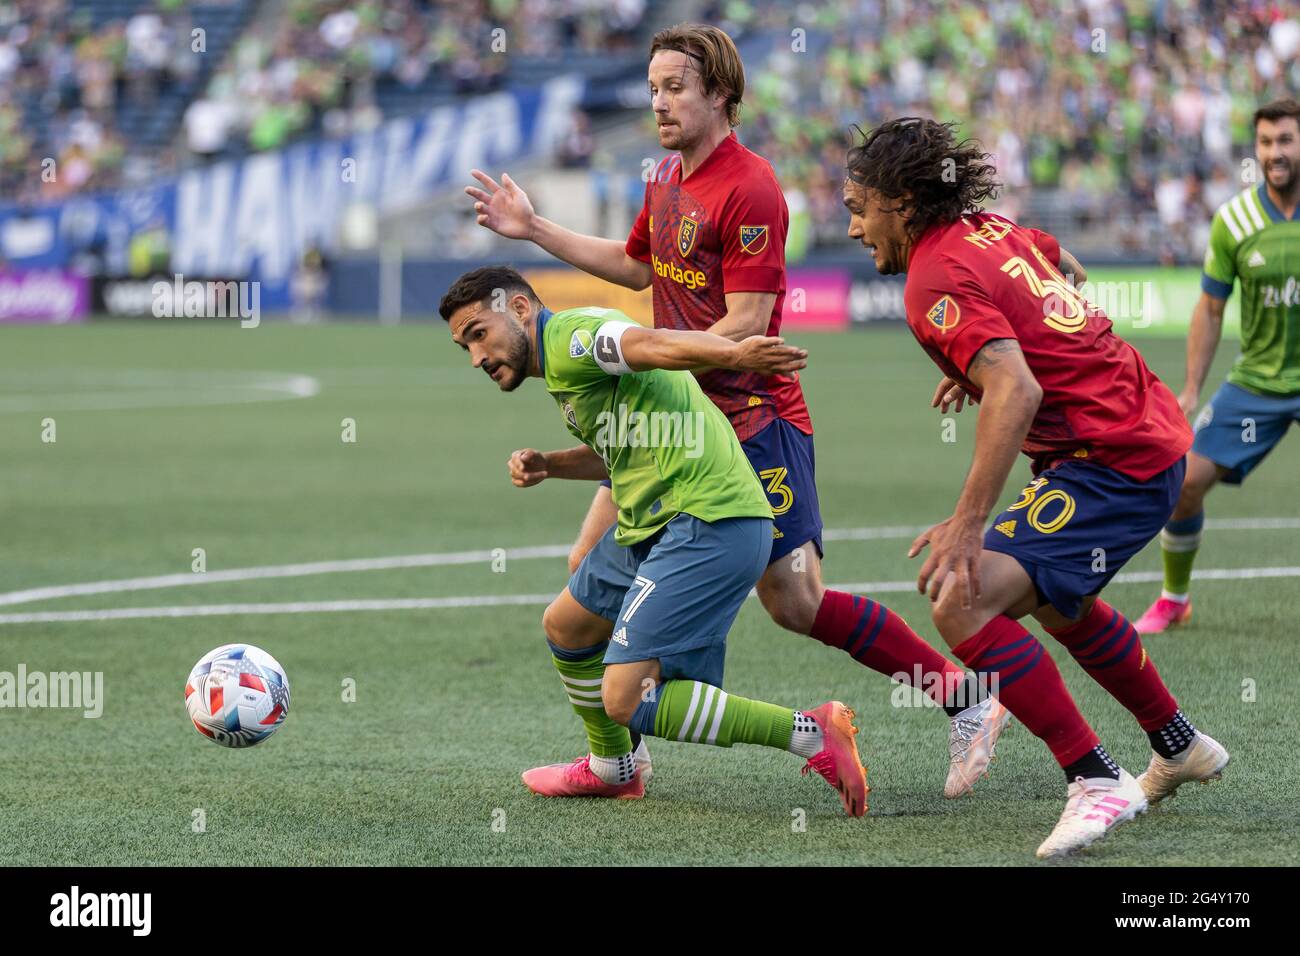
<point x="1106" y="439"/>
<point x="710" y="239"/>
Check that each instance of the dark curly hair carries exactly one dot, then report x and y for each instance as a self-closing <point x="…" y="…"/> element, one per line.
<point x="920" y="163"/>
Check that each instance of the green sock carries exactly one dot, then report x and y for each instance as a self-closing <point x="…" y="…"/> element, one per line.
<point x="703" y="714"/>
<point x="581" y="676"/>
<point x="1178" y="570"/>
<point x="1179" y="542"/>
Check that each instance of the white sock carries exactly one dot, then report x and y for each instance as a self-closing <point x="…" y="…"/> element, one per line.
<point x="806" y="739"/>
<point x="613" y="770"/>
<point x="1170" y="596"/>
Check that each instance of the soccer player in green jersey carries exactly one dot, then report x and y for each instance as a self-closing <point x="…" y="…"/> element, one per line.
<point x="639" y="634"/>
<point x="1255" y="242"/>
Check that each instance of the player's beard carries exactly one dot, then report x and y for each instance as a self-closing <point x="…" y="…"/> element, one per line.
<point x="674" y="137"/>
<point x="516" y="359"/>
<point x="1287" y="185"/>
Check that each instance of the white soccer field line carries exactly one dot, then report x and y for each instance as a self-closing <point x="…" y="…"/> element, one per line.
<point x="307" y="569"/>
<point x="480" y="556"/>
<point x="148" y="388"/>
<point x="503" y="600"/>
<point x="445" y="558"/>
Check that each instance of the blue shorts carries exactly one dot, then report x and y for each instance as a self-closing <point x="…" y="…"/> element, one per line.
<point x="1078" y="523"/>
<point x="674" y="596"/>
<point x="782" y="456"/>
<point x="1238" y="427"/>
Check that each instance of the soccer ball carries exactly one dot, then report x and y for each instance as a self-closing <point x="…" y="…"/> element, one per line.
<point x="237" y="695"/>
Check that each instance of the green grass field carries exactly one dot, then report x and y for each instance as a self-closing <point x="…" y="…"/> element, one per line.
<point x="159" y="451"/>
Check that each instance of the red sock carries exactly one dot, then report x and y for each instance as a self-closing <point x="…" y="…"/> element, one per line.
<point x="1029" y="685"/>
<point x="874" y="635"/>
<point x="1107" y="646"/>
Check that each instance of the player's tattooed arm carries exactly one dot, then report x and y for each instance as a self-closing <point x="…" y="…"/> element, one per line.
<point x="677" y="350"/>
<point x="528" y="466"/>
<point x="1202" y="342"/>
<point x="1073" y="269"/>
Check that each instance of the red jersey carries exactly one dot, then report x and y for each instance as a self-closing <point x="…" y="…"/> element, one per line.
<point x="983" y="277"/>
<point x="720" y="230"/>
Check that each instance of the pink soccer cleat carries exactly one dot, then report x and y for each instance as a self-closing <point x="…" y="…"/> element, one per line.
<point x="1092" y="809"/>
<point x="577" y="780"/>
<point x="838" y="761"/>
<point x="1163" y="615"/>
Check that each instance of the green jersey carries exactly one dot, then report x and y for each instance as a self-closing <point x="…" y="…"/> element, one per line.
<point x="1251" y="243"/>
<point x="667" y="447"/>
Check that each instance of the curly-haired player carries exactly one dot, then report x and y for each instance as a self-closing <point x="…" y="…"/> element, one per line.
<point x="988" y="301"/>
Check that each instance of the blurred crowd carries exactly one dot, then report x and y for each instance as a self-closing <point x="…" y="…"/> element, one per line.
<point x="62" y="81"/>
<point x="1130" y="117"/>
<point x="326" y="62"/>
<point x="1128" y="114"/>
<point x="304" y="66"/>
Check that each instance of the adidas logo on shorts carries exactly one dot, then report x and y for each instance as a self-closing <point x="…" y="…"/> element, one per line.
<point x="1256" y="259"/>
<point x="1007" y="527"/>
<point x="620" y="636"/>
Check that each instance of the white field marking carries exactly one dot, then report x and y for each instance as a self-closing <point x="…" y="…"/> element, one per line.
<point x="187" y="578"/>
<point x="292" y="607"/>
<point x="503" y="600"/>
<point x="95" y="390"/>
<point x="446" y="558"/>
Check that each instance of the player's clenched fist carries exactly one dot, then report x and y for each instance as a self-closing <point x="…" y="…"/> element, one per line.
<point x="770" y="356"/>
<point x="527" y="467"/>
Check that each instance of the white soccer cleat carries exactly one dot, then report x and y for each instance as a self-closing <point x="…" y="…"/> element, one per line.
<point x="641" y="756"/>
<point x="1092" y="809"/>
<point x="971" y="740"/>
<point x="1202" y="761"/>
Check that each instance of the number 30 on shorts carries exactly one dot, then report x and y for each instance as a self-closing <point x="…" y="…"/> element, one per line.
<point x="1038" y="503"/>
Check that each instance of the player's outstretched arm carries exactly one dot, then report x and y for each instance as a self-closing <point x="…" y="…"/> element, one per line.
<point x="528" y="466"/>
<point x="680" y="350"/>
<point x="1202" y="342"/>
<point x="506" y="210"/>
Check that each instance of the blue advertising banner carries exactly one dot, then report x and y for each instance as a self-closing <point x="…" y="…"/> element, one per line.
<point x="253" y="218"/>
